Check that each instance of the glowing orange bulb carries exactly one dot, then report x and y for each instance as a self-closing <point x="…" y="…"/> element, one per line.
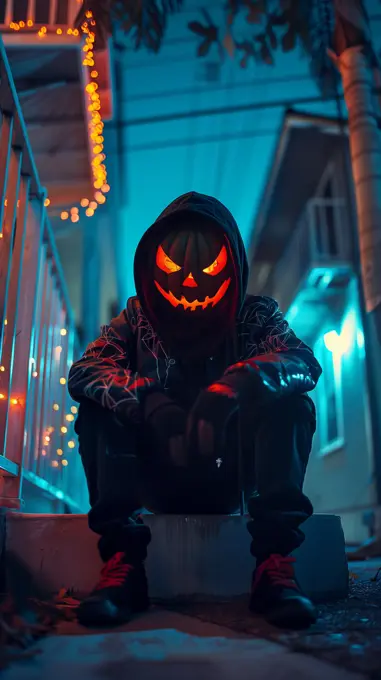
<point x="85" y="202"/>
<point x="55" y="463"/>
<point x="22" y="24"/>
<point x="76" y="31"/>
<point x="75" y="217"/>
<point x="2" y="369"/>
<point x="89" y="212"/>
<point x="64" y="215"/>
<point x="43" y="452"/>
<point x="74" y="409"/>
<point x="46" y="202"/>
<point x="59" y="452"/>
<point x="94" y="74"/>
<point x="59" y="31"/>
<point x="2" y="396"/>
<point x="105" y="188"/>
<point x="47" y="439"/>
<point x="30" y="23"/>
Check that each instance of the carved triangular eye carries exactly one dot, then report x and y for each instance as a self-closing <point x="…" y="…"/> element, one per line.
<point x="165" y="263"/>
<point x="219" y="263"/>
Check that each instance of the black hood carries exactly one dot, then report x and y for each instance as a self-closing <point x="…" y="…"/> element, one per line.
<point x="182" y="334"/>
<point x="205" y="206"/>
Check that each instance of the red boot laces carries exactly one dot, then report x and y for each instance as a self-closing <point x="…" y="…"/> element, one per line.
<point x="279" y="570"/>
<point x="114" y="572"/>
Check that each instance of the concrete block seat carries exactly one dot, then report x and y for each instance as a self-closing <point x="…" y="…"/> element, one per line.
<point x="204" y="556"/>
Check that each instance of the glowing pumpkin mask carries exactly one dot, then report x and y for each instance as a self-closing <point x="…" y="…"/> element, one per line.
<point x="194" y="270"/>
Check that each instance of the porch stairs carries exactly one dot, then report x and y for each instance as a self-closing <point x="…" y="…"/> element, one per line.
<point x="190" y="557"/>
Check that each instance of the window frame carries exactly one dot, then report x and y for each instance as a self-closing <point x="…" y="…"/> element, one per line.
<point x="326" y="447"/>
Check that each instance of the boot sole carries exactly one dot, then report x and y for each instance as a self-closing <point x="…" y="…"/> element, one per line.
<point x="92" y="615"/>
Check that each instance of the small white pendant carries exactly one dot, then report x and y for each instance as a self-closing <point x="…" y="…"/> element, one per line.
<point x="219" y="462"/>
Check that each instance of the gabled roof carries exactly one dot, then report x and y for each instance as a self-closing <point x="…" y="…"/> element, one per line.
<point x="305" y="145"/>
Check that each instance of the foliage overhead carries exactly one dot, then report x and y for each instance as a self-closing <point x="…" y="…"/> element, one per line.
<point x="253" y="30"/>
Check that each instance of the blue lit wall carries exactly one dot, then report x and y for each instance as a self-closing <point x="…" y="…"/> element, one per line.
<point x="340" y="480"/>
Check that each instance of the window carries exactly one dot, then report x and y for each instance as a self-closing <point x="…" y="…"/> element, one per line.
<point x="329" y="394"/>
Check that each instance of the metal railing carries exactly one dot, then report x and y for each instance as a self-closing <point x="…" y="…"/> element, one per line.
<point x="37" y="331"/>
<point x="34" y="13"/>
<point x="320" y="240"/>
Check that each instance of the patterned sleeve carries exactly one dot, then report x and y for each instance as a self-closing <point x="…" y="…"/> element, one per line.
<point x="275" y="360"/>
<point x="277" y="337"/>
<point x="103" y="373"/>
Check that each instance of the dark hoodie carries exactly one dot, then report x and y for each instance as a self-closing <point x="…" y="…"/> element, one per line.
<point x="133" y="353"/>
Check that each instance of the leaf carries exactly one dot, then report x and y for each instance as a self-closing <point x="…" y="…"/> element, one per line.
<point x="229" y="44"/>
<point x="288" y="40"/>
<point x="254" y="16"/>
<point x="278" y="19"/>
<point x="204" y="48"/>
<point x="266" y="55"/>
<point x="272" y="37"/>
<point x="198" y="28"/>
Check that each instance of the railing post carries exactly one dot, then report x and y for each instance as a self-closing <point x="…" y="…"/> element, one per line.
<point x="7" y="254"/>
<point x="8" y="12"/>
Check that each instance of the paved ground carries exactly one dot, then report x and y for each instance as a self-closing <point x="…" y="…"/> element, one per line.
<point x="219" y="641"/>
<point x="165" y="645"/>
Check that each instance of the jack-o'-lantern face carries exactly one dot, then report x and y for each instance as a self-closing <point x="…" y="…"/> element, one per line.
<point x="194" y="270"/>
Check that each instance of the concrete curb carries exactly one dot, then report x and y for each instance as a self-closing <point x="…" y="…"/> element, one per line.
<point x="190" y="556"/>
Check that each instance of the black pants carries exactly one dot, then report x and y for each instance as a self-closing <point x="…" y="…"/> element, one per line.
<point x="124" y="476"/>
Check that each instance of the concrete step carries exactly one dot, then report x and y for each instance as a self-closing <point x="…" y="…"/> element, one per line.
<point x="205" y="556"/>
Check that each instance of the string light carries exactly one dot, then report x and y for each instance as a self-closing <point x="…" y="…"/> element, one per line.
<point x="55" y="463"/>
<point x="2" y="369"/>
<point x="69" y="417"/>
<point x="63" y="331"/>
<point x="59" y="452"/>
<point x="74" y="409"/>
<point x="63" y="429"/>
<point x="46" y="202"/>
<point x="34" y="374"/>
<point x="64" y="462"/>
<point x="63" y="381"/>
<point x="96" y="124"/>
<point x="71" y="444"/>
<point x="56" y="407"/>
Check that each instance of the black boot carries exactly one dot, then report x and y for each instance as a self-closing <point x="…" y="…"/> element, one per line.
<point x="276" y="596"/>
<point x="121" y="592"/>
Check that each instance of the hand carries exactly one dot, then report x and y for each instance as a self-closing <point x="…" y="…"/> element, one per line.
<point x="128" y="409"/>
<point x="167" y="421"/>
<point x="208" y="419"/>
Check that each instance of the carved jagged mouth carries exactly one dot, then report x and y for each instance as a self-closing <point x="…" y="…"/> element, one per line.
<point x="194" y="303"/>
